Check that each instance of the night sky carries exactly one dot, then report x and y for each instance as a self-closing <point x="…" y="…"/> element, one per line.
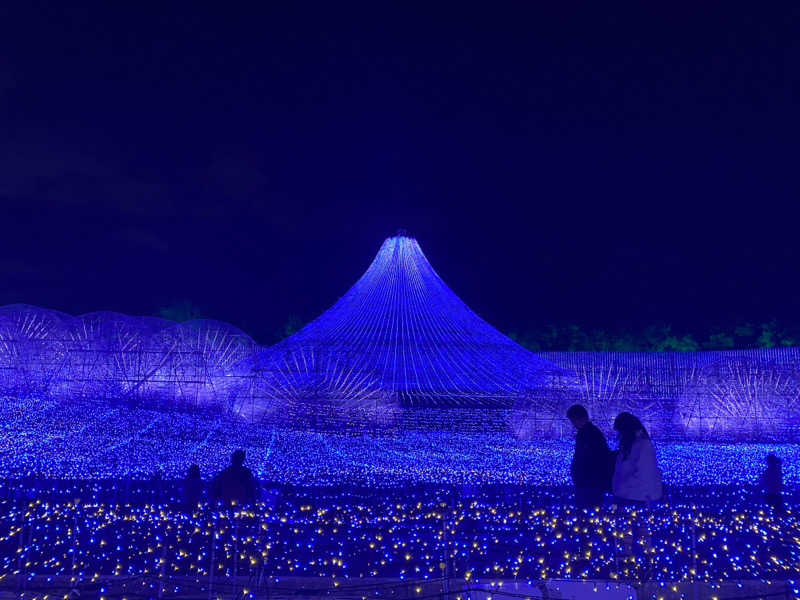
<point x="556" y="163"/>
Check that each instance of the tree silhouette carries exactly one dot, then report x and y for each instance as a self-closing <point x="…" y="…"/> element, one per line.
<point x="180" y="311"/>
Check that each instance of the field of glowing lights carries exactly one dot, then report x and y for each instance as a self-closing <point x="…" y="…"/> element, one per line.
<point x="51" y="440"/>
<point x="418" y="536"/>
<point x="486" y="507"/>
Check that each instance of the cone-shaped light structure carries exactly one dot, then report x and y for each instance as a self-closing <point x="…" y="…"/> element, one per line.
<point x="399" y="336"/>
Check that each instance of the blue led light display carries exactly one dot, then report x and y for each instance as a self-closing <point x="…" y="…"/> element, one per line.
<point x="398" y="351"/>
<point x="398" y="339"/>
<point x="397" y="436"/>
<point x="45" y="354"/>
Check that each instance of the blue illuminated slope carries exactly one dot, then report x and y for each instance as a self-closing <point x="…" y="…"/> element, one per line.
<point x="401" y="333"/>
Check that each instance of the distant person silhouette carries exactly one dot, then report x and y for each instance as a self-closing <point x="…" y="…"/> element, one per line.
<point x="235" y="485"/>
<point x="637" y="479"/>
<point x="590" y="462"/>
<point x="771" y="482"/>
<point x="157" y="480"/>
<point x="193" y="488"/>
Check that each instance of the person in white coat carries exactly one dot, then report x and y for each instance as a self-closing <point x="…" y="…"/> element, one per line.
<point x="637" y="479"/>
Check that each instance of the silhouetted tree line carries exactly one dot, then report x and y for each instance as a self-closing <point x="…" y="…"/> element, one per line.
<point x="659" y="337"/>
<point x="180" y="311"/>
<point x="293" y="325"/>
<point x="655" y="338"/>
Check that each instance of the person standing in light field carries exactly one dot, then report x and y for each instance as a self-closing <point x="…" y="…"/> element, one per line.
<point x="590" y="462"/>
<point x="236" y="484"/>
<point x="637" y="478"/>
<point x="193" y="488"/>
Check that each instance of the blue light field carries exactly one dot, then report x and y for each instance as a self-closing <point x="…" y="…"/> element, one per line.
<point x="97" y="441"/>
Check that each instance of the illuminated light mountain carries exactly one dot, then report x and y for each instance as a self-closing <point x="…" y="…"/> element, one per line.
<point x="402" y="335"/>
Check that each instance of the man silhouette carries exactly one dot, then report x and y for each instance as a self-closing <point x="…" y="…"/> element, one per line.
<point x="235" y="485"/>
<point x="591" y="461"/>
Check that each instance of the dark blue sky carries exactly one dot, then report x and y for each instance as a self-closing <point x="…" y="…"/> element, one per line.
<point x="604" y="166"/>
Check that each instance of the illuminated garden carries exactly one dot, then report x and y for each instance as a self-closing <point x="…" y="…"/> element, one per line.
<point x="402" y="445"/>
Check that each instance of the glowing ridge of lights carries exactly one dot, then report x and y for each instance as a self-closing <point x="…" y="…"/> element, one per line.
<point x="721" y="396"/>
<point x="107" y="356"/>
<point x="761" y="396"/>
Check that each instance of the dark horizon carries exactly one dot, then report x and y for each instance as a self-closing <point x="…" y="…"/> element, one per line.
<point x="556" y="164"/>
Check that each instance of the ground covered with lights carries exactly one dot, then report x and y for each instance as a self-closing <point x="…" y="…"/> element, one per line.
<point x="422" y="535"/>
<point x="405" y="506"/>
<point x="48" y="440"/>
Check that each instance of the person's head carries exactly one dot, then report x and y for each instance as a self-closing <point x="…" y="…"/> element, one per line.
<point x="237" y="460"/>
<point x="578" y="415"/>
<point x="773" y="461"/>
<point x="194" y="472"/>
<point x="628" y="427"/>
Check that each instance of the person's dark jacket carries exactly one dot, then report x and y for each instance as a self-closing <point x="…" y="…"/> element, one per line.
<point x="592" y="465"/>
<point x="235" y="485"/>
